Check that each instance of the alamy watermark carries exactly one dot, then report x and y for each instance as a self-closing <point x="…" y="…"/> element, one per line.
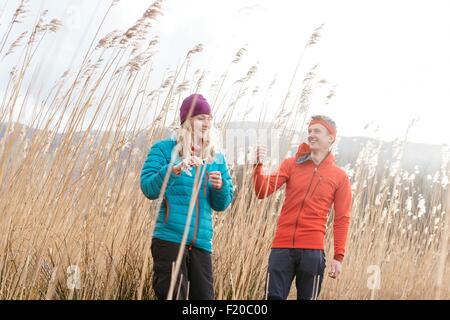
<point x="74" y="277"/>
<point x="374" y="279"/>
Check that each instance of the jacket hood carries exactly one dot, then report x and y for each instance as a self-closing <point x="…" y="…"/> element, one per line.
<point x="304" y="154"/>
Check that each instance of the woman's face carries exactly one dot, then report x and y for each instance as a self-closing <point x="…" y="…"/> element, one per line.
<point x="201" y="125"/>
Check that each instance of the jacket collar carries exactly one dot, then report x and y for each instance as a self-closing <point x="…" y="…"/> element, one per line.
<point x="304" y="154"/>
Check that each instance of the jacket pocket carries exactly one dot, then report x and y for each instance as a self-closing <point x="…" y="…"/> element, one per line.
<point x="166" y="204"/>
<point x="312" y="262"/>
<point x="324" y="261"/>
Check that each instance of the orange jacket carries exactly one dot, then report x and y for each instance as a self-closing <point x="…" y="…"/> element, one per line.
<point x="310" y="191"/>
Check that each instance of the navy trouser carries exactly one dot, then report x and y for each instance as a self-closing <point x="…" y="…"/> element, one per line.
<point x="196" y="268"/>
<point x="306" y="265"/>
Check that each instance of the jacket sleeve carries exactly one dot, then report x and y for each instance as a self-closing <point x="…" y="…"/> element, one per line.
<point x="342" y="208"/>
<point x="221" y="198"/>
<point x="153" y="172"/>
<point x="266" y="185"/>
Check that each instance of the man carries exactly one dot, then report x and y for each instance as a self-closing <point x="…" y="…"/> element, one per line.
<point x="313" y="184"/>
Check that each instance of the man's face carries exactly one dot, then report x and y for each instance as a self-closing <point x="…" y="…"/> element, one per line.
<point x="318" y="138"/>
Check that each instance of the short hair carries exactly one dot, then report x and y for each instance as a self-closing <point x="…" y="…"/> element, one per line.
<point x="325" y="118"/>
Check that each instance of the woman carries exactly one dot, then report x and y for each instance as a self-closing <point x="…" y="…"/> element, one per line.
<point x="194" y="164"/>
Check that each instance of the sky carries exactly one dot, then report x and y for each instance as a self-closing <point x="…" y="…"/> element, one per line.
<point x="389" y="61"/>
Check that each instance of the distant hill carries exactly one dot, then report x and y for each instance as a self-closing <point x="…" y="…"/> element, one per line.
<point x="426" y="156"/>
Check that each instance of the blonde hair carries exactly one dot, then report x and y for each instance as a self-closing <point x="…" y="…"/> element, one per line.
<point x="184" y="138"/>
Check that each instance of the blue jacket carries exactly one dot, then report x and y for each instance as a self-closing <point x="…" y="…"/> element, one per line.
<point x="172" y="215"/>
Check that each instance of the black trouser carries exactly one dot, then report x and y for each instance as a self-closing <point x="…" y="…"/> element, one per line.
<point x="195" y="274"/>
<point x="306" y="265"/>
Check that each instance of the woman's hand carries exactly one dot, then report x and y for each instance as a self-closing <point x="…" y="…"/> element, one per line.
<point x="186" y="165"/>
<point x="215" y="177"/>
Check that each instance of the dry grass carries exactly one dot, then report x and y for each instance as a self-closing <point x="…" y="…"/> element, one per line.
<point x="78" y="202"/>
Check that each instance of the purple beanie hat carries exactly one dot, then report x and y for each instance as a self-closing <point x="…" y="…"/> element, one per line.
<point x="197" y="104"/>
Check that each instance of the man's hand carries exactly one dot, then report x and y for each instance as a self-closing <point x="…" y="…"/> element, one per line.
<point x="336" y="268"/>
<point x="261" y="153"/>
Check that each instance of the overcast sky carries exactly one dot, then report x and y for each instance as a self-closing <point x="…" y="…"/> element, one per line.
<point x="389" y="60"/>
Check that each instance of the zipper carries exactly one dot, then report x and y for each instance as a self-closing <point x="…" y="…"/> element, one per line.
<point x="197" y="214"/>
<point x="303" y="202"/>
<point x="315" y="187"/>
<point x="301" y="208"/>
